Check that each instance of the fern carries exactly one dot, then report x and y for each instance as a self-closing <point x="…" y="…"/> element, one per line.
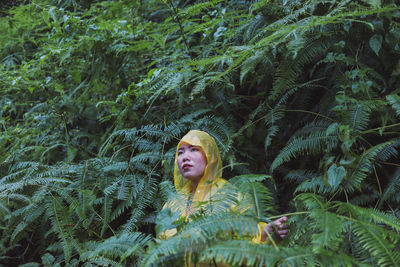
<point x="261" y="198"/>
<point x="359" y="117"/>
<point x="95" y="97"/>
<point x="331" y="236"/>
<point x="316" y="142"/>
<point x="371" y="239"/>
<point x="286" y="75"/>
<point x="363" y="166"/>
<point x="142" y="201"/>
<point x="117" y="248"/>
<point x="366" y="224"/>
<point x="392" y="188"/>
<point x="394" y="101"/>
<point x="194" y="236"/>
<point x="237" y="252"/>
<point x="34" y="212"/>
<point x="54" y="211"/>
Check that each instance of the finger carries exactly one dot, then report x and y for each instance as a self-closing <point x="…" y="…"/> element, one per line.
<point x="283" y="220"/>
<point x="280" y="221"/>
<point x="268" y="228"/>
<point x="282" y="232"/>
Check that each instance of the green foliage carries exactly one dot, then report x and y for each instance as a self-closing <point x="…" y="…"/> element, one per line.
<point x="96" y="94"/>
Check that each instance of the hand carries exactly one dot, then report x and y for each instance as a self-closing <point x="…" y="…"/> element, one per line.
<point x="276" y="229"/>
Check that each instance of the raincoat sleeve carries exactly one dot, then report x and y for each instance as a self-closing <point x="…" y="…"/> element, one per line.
<point x="164" y="222"/>
<point x="257" y="238"/>
<point x="167" y="233"/>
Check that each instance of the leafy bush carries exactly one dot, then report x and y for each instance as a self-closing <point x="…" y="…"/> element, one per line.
<point x="96" y="95"/>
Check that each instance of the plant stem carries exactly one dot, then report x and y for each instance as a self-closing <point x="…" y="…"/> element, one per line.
<point x="175" y="10"/>
<point x="380" y="128"/>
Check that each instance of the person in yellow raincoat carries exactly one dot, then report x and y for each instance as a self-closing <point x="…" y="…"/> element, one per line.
<point x="198" y="177"/>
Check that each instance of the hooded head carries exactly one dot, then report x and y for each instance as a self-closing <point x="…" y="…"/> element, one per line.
<point x="212" y="171"/>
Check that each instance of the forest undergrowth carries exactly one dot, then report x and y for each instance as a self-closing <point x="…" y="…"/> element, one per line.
<point x="302" y="98"/>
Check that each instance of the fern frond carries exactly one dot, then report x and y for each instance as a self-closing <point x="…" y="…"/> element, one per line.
<point x="201" y="84"/>
<point x="372" y="239"/>
<point x="311" y="201"/>
<point x="118" y="248"/>
<point x="15" y="197"/>
<point x="102" y="261"/>
<point x="194" y="236"/>
<point x="286" y="74"/>
<point x="116" y="167"/>
<point x="301" y="175"/>
<point x="142" y="201"/>
<point x="250" y="64"/>
<point x="314" y="143"/>
<point x="167" y="190"/>
<point x="188" y="118"/>
<point x="392" y="188"/>
<point x="331" y="225"/>
<point x="197" y="8"/>
<point x="106" y="211"/>
<point x="150" y="157"/>
<point x="394" y="100"/>
<point x="363" y="166"/>
<point x="32" y="211"/>
<point x="370" y="215"/>
<point x="17" y="186"/>
<point x="238" y="252"/>
<point x="167" y="83"/>
<point x="359" y="117"/>
<point x="55" y="211"/>
<point x="271" y="133"/>
<point x="261" y="198"/>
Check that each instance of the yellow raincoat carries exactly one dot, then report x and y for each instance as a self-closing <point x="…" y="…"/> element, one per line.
<point x="209" y="185"/>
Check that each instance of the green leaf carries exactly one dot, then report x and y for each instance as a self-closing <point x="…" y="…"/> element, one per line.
<point x="394" y="100"/>
<point x="30" y="264"/>
<point x="332" y="128"/>
<point x="48" y="259"/>
<point x="336" y="175"/>
<point x="374" y="3"/>
<point x="76" y="75"/>
<point x="375" y="42"/>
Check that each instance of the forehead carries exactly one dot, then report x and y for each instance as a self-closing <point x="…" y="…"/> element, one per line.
<point x="183" y="146"/>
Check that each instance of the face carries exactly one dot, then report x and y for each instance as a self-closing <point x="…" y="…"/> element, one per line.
<point x="191" y="162"/>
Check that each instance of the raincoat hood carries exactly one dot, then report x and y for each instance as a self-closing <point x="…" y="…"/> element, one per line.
<point x="212" y="172"/>
<point x="210" y="188"/>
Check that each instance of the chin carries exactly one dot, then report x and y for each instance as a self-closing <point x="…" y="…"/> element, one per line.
<point x="192" y="178"/>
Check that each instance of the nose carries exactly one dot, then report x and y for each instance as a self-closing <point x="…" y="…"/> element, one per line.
<point x="185" y="156"/>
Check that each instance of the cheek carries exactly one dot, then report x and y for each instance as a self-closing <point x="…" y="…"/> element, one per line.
<point x="203" y="161"/>
<point x="179" y="162"/>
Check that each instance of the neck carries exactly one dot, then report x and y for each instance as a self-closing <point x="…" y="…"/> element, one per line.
<point x="194" y="187"/>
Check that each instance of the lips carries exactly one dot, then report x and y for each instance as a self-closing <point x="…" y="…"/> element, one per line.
<point x="186" y="166"/>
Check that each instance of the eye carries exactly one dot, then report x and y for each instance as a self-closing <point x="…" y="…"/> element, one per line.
<point x="180" y="152"/>
<point x="195" y="149"/>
